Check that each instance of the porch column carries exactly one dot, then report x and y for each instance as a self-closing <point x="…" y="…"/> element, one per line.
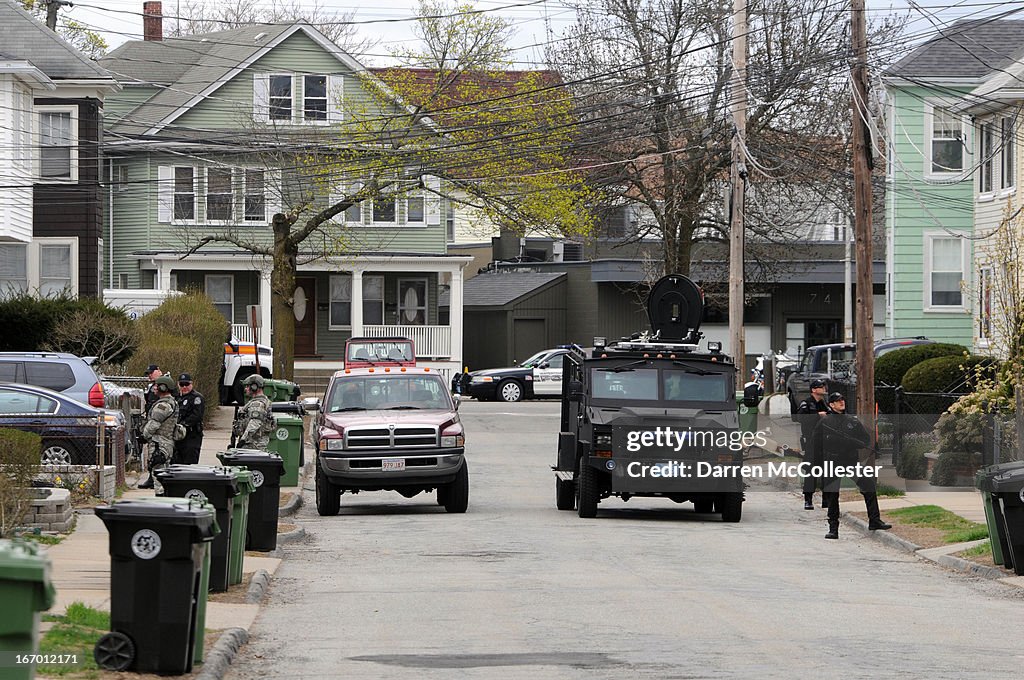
<point x="455" y="316"/>
<point x="357" y="302"/>
<point x="163" y="275"/>
<point x="265" y="304"/>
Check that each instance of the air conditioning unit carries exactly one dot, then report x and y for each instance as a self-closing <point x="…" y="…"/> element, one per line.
<point x="557" y="249"/>
<point x="572" y="252"/>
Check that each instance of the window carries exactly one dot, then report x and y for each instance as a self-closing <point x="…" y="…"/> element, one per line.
<point x="1008" y="167"/>
<point x="315" y="98"/>
<point x="449" y="221"/>
<point x="640" y="384"/>
<point x="219" y="198"/>
<point x="184" y="194"/>
<point x="415" y="210"/>
<point x="987" y="151"/>
<point x="384" y="210"/>
<point x="946" y="142"/>
<point x="54" y="270"/>
<point x="412" y="302"/>
<point x="280" y="97"/>
<point x="12" y="402"/>
<point x="255" y="196"/>
<point x="220" y="290"/>
<point x="13" y="270"/>
<point x="945" y="273"/>
<point x="49" y="374"/>
<point x="341" y="300"/>
<point x="58" y="154"/>
<point x="984" y="306"/>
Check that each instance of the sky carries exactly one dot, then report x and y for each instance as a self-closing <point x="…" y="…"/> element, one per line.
<point x="389" y="22"/>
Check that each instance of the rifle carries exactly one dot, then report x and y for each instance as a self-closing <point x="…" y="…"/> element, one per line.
<point x="234" y="430"/>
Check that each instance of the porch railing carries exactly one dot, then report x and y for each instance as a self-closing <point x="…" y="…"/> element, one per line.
<point x="434" y="342"/>
<point x="242" y="332"/>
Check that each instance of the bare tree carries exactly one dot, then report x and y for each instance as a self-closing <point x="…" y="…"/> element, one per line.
<point x="88" y="42"/>
<point x="651" y="78"/>
<point x="196" y="17"/>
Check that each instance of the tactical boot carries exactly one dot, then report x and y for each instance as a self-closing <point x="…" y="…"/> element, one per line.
<point x="833" y="529"/>
<point x="148" y="484"/>
<point x="875" y="522"/>
<point x="808" y="501"/>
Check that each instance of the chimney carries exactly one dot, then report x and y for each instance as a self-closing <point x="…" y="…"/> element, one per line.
<point x="152" y="20"/>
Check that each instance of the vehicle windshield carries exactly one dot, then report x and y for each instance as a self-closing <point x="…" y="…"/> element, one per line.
<point x="534" y="360"/>
<point x="395" y="392"/>
<point x="684" y="385"/>
<point x="625" y="383"/>
<point x="380" y="351"/>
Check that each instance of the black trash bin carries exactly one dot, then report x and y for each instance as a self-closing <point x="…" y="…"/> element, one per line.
<point x="267" y="470"/>
<point x="156" y="563"/>
<point x="1008" y="490"/>
<point x="994" y="512"/>
<point x="216" y="486"/>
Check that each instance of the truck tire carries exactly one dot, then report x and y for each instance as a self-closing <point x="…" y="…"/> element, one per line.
<point x="587" y="492"/>
<point x="328" y="498"/>
<point x="510" y="390"/>
<point x="565" y="494"/>
<point x="456" y="497"/>
<point x="731" y="505"/>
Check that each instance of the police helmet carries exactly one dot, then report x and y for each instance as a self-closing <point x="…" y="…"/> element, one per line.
<point x="817" y="382"/>
<point x="836" y="396"/>
<point x="166" y="381"/>
<point x="254" y="379"/>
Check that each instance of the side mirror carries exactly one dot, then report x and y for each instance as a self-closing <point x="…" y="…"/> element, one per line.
<point x="575" y="391"/>
<point x="751" y="396"/>
<point x="310" y="404"/>
<point x="457" y="398"/>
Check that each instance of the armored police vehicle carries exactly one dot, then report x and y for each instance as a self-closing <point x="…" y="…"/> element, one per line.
<point x="652" y="415"/>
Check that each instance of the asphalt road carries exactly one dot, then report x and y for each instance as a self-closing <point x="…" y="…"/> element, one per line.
<point x="397" y="588"/>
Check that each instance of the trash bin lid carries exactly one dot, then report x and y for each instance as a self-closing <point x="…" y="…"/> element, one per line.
<point x="292" y="407"/>
<point x="24" y="561"/>
<point x="1010" y="481"/>
<point x="207" y="474"/>
<point x="186" y="513"/>
<point x="243" y="476"/>
<point x="251" y="457"/>
<point x="984" y="476"/>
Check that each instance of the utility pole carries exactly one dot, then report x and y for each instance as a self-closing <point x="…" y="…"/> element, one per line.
<point x="738" y="176"/>
<point x="848" y="285"/>
<point x="862" y="219"/>
<point x="51" y="12"/>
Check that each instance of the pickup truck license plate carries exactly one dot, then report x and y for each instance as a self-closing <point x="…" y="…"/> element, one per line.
<point x="396" y="464"/>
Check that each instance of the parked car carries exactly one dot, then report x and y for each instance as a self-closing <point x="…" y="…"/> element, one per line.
<point x="538" y="376"/>
<point x="391" y="428"/>
<point x="69" y="428"/>
<point x="59" y="371"/>
<point x="886" y="345"/>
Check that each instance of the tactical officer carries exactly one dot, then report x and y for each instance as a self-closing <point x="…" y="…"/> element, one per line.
<point x="191" y="407"/>
<point x="808" y="414"/>
<point x="841" y="437"/>
<point x="255" y="420"/>
<point x="159" y="428"/>
<point x="152" y="373"/>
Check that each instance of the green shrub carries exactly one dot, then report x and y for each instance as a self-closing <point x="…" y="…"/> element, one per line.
<point x="912" y="463"/>
<point x="949" y="375"/>
<point x="109" y="335"/>
<point x="37" y="318"/>
<point x="20" y="453"/>
<point x="185" y="334"/>
<point x="950" y="463"/>
<point x="892" y="366"/>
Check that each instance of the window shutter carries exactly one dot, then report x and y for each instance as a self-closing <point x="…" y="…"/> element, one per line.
<point x="335" y="97"/>
<point x="261" y="97"/>
<point x="297" y="104"/>
<point x="273" y="190"/>
<point x="165" y="194"/>
<point x="432" y="200"/>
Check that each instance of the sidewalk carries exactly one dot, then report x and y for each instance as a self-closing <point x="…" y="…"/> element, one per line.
<point x="80" y="564"/>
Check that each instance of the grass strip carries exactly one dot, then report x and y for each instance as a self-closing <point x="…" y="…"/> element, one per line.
<point x="956" y="528"/>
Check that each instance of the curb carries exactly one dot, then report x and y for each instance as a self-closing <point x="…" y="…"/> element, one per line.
<point x="891" y="540"/>
<point x="218" y="661"/>
<point x="257" y="587"/>
<point x="960" y="564"/>
<point x="292" y="506"/>
<point x="291" y="536"/>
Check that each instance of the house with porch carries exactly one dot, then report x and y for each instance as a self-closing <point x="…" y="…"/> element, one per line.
<point x="209" y="136"/>
<point x="936" y="166"/>
<point x="51" y="107"/>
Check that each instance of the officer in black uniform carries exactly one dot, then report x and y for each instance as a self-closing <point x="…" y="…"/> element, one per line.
<point x="191" y="407"/>
<point x="809" y="414"/>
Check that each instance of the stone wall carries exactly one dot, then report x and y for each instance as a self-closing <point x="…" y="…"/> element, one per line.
<point x="52" y="511"/>
<point x="85" y="479"/>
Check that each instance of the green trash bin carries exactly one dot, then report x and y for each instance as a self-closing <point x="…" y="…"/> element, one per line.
<point x="25" y="590"/>
<point x="280" y="390"/>
<point x="204" y="577"/>
<point x="239" y="522"/>
<point x="286" y="441"/>
<point x="993" y="511"/>
<point x="748" y="415"/>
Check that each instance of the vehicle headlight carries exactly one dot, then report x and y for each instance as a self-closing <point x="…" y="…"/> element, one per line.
<point x="332" y="444"/>
<point x="450" y="442"/>
<point x="602" y="440"/>
<point x="482" y="379"/>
